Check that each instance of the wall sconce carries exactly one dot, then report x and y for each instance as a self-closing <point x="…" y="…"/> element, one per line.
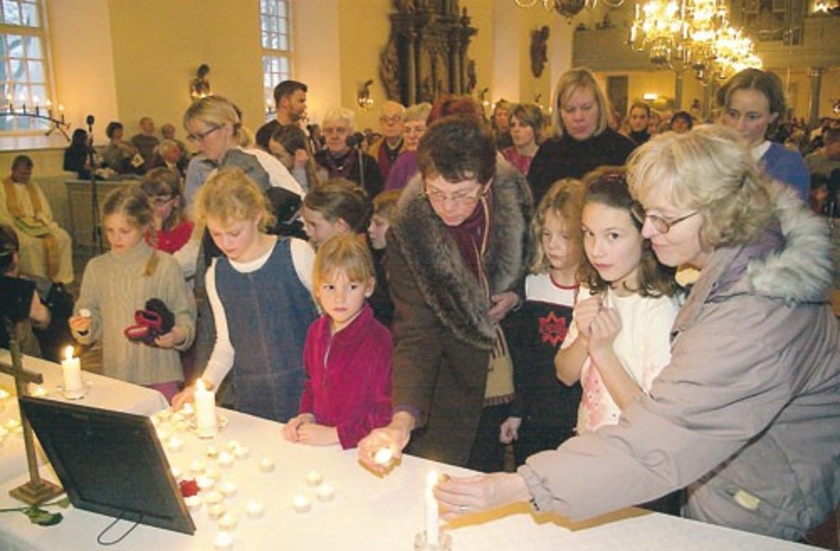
<point x="827" y="6"/>
<point x="363" y="98"/>
<point x="200" y="86"/>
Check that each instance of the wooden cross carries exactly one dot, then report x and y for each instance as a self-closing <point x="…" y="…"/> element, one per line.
<point x="36" y="490"/>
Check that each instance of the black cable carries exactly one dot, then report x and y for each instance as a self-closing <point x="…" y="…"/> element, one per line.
<point x="118" y="540"/>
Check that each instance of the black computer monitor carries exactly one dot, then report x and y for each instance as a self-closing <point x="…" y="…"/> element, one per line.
<point x="109" y="462"/>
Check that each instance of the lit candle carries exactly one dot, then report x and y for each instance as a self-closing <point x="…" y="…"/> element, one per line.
<point x="432" y="529"/>
<point x="174" y="444"/>
<point x="61" y="111"/>
<point x="254" y="509"/>
<point x="37" y="103"/>
<point x="225" y="460"/>
<point x="4" y="395"/>
<point x="205" y="483"/>
<point x="37" y="390"/>
<point x="227" y="522"/>
<point x="193" y="503"/>
<point x="223" y="541"/>
<point x="23" y="103"/>
<point x="197" y="466"/>
<point x="212" y="452"/>
<point x="210" y="472"/>
<point x="213" y="497"/>
<point x="228" y="489"/>
<point x="314" y="478"/>
<point x="205" y="411"/>
<point x="11" y="102"/>
<point x="325" y="492"/>
<point x="216" y="511"/>
<point x="302" y="504"/>
<point x="383" y="456"/>
<point x="72" y="369"/>
<point x="267" y="465"/>
<point x="49" y="108"/>
<point x="242" y="452"/>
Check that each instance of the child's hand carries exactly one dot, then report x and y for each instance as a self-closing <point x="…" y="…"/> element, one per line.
<point x="314" y="434"/>
<point x="171" y="339"/>
<point x="509" y="431"/>
<point x="185" y="396"/>
<point x="585" y="313"/>
<point x="80" y="324"/>
<point x="604" y="327"/>
<point x="290" y="429"/>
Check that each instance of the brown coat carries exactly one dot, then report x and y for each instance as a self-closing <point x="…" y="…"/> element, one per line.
<point x="442" y="332"/>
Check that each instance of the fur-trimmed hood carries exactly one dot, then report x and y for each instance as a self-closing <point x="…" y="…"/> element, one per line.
<point x="792" y="262"/>
<point x="442" y="276"/>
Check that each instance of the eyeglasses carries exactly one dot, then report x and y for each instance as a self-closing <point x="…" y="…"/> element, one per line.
<point x="461" y="198"/>
<point x="200" y="136"/>
<point x="659" y="223"/>
<point x="391" y="120"/>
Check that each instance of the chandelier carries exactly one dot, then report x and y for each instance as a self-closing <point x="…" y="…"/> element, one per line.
<point x="693" y="34"/>
<point x="567" y="8"/>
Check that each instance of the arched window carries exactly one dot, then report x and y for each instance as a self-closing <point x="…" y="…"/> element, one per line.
<point x="24" y="65"/>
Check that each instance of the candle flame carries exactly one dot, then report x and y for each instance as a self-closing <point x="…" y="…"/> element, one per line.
<point x="199" y="386"/>
<point x="68" y="353"/>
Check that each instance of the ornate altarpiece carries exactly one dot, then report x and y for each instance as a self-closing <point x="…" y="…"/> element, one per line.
<point x="426" y="55"/>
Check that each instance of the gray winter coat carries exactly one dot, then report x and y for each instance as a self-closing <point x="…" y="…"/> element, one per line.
<point x="747" y="414"/>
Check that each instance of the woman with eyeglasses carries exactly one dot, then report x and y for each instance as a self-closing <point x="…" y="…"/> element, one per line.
<point x="455" y="258"/>
<point x="584" y="140"/>
<point x="746" y="414"/>
<point x="214" y="125"/>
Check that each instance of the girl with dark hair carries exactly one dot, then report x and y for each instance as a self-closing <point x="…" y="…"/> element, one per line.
<point x="338" y="206"/>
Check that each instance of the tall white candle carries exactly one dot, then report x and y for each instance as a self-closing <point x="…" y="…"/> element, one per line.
<point x="432" y="529"/>
<point x="72" y="369"/>
<point x="205" y="410"/>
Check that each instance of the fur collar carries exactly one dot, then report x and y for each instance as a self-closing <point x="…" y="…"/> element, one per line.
<point x="442" y="276"/>
<point x="802" y="269"/>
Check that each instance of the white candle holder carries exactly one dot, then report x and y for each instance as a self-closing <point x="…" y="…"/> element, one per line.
<point x="223" y="541"/>
<point x="444" y="542"/>
<point x="302" y="504"/>
<point x="254" y="509"/>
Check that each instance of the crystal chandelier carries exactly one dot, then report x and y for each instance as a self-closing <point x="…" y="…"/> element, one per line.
<point x="693" y="34"/>
<point x="569" y="8"/>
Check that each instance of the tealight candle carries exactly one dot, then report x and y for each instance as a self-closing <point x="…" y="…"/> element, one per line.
<point x="71" y="368"/>
<point x="212" y="452"/>
<point x="225" y="460"/>
<point x="228" y="489"/>
<point x="302" y="504"/>
<point x="383" y="456"/>
<point x="174" y="444"/>
<point x="4" y="395"/>
<point x="210" y="472"/>
<point x="227" y="522"/>
<point x="177" y="417"/>
<point x="267" y="465"/>
<point x="242" y="452"/>
<point x="233" y="444"/>
<point x="162" y="434"/>
<point x="254" y="509"/>
<point x="164" y="414"/>
<point x="213" y="497"/>
<point x="38" y="391"/>
<point x="193" y="503"/>
<point x="205" y="410"/>
<point x="314" y="478"/>
<point x="182" y="426"/>
<point x="176" y="473"/>
<point x="187" y="410"/>
<point x="223" y="541"/>
<point x="205" y="483"/>
<point x="325" y="492"/>
<point x="197" y="466"/>
<point x="216" y="511"/>
<point x="13" y="423"/>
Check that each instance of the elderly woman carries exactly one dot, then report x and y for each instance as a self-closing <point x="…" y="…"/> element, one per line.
<point x="455" y="261"/>
<point x="747" y="413"/>
<point x="584" y="139"/>
<point x="341" y="158"/>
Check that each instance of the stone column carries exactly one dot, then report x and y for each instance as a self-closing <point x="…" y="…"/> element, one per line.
<point x="816" y="74"/>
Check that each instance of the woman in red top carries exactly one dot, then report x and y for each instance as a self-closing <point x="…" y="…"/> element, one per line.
<point x="172" y="228"/>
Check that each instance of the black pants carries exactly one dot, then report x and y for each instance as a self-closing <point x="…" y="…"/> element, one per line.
<point x="488" y="454"/>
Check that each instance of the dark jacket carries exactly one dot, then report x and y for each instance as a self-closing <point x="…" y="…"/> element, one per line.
<point x="442" y="333"/>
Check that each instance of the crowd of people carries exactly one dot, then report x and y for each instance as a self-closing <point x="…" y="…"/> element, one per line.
<point x="452" y="286"/>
